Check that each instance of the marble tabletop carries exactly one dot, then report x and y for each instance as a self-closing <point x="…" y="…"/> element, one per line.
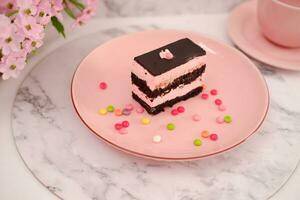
<point x="73" y="164"/>
<point x="137" y="8"/>
<point x="14" y="177"/>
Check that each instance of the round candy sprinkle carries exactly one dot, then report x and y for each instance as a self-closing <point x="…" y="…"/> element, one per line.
<point x="196" y="117"/>
<point x="205" y="134"/>
<point x="180" y="109"/>
<point x="218" y="102"/>
<point x="156" y="138"/>
<point x="118" y="112"/>
<point x="129" y="107"/>
<point x="197" y="142"/>
<point x="174" y="112"/>
<point x="221" y="107"/>
<point x="220" y="120"/>
<point x="118" y="126"/>
<point x="123" y="131"/>
<point x="145" y="120"/>
<point x="102" y="111"/>
<point x="214" y="92"/>
<point x="110" y="108"/>
<point x="126" y="112"/>
<point x="140" y="110"/>
<point x="170" y="126"/>
<point x="103" y="85"/>
<point x="227" y="119"/>
<point x="125" y="123"/>
<point x="213" y="137"/>
<point x="204" y="96"/>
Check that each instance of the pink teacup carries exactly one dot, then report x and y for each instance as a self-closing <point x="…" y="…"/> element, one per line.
<point x="280" y="21"/>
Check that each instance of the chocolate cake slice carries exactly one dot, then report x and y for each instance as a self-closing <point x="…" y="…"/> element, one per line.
<point x="167" y="75"/>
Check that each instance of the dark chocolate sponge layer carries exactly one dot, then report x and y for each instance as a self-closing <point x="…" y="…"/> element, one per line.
<point x="183" y="51"/>
<point x="170" y="103"/>
<point x="184" y="79"/>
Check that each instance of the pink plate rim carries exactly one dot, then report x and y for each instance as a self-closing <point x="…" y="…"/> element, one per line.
<point x="166" y="158"/>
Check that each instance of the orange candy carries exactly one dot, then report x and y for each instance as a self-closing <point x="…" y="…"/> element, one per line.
<point x="205" y="134"/>
<point x="118" y="112"/>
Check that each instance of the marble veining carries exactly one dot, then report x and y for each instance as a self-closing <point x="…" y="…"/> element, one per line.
<point x="74" y="164"/>
<point x="117" y="8"/>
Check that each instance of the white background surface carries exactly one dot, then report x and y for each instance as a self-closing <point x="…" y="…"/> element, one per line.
<point x="16" y="182"/>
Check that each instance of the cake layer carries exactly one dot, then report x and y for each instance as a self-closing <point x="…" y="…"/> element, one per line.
<point x="179" y="91"/>
<point x="160" y="81"/>
<point x="182" y="80"/>
<point x="183" y="51"/>
<point x="159" y="108"/>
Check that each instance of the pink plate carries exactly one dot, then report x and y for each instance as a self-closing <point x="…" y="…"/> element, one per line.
<point x="244" y="30"/>
<point x="240" y="86"/>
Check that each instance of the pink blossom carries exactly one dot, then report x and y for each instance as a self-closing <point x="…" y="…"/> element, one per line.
<point x="57" y="5"/>
<point x="11" y="43"/>
<point x="36" y="2"/>
<point x="7" y="6"/>
<point x="29" y="26"/>
<point x="87" y="13"/>
<point x="56" y="8"/>
<point x="26" y="7"/>
<point x="30" y="45"/>
<point x="12" y="65"/>
<point x="10" y="39"/>
<point x="44" y="12"/>
<point x="23" y="31"/>
<point x="4" y="26"/>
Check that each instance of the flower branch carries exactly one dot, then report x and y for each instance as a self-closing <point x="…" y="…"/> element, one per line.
<point x="23" y="22"/>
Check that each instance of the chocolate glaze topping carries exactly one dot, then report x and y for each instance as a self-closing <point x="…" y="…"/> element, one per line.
<point x="183" y="50"/>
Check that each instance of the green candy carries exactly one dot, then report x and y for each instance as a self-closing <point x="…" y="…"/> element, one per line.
<point x="227" y="119"/>
<point x="170" y="126"/>
<point x="197" y="142"/>
<point x="110" y="108"/>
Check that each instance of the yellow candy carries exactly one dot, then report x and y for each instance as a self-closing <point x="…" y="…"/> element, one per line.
<point x="118" y="112"/>
<point x="205" y="134"/>
<point x="102" y="111"/>
<point x="145" y="120"/>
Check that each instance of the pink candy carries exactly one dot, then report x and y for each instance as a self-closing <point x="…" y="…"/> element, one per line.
<point x="214" y="92"/>
<point x="196" y="118"/>
<point x="221" y="107"/>
<point x="103" y="85"/>
<point x="180" y="109"/>
<point x="174" y="112"/>
<point x="166" y="54"/>
<point x="204" y="96"/>
<point x="125" y="124"/>
<point x="213" y="137"/>
<point x="139" y="110"/>
<point x="126" y="112"/>
<point x="220" y="120"/>
<point x="129" y="106"/>
<point x="118" y="126"/>
<point x="218" y="102"/>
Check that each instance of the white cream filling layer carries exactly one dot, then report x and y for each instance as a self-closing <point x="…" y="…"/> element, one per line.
<point x="179" y="91"/>
<point x="164" y="79"/>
